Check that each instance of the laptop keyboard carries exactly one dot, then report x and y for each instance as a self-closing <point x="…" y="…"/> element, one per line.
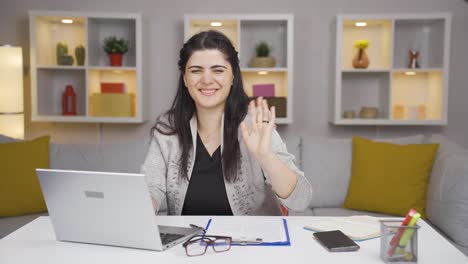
<point x="168" y="238"/>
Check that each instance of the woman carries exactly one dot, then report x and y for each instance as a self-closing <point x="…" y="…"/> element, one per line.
<point x="197" y="162"/>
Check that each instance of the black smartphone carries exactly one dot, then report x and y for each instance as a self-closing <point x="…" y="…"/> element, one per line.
<point x="336" y="241"/>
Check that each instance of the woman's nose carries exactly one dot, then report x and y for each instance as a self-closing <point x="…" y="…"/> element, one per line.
<point x="207" y="77"/>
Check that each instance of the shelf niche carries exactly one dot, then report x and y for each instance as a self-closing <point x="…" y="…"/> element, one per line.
<point x="101" y="28"/>
<point x="425" y="36"/>
<point x="379" y="35"/>
<point x="52" y="84"/>
<point x="51" y="30"/>
<point x="274" y="33"/>
<point x="424" y="89"/>
<point x="369" y="89"/>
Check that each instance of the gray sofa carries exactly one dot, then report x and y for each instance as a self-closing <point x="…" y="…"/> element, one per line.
<point x="325" y="161"/>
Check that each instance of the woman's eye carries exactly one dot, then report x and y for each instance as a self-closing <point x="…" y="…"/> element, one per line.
<point x="195" y="71"/>
<point x="219" y="71"/>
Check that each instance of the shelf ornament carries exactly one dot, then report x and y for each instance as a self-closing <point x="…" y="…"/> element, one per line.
<point x="413" y="59"/>
<point x="361" y="60"/>
<point x="69" y="101"/>
<point x="262" y="58"/>
<point x="115" y="48"/>
<point x="80" y="55"/>
<point x="62" y="54"/>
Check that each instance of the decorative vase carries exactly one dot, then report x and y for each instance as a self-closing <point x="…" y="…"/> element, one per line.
<point x="69" y="101"/>
<point x="262" y="62"/>
<point x="360" y="60"/>
<point x="115" y="59"/>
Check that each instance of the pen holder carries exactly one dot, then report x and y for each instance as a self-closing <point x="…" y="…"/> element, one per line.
<point x="398" y="244"/>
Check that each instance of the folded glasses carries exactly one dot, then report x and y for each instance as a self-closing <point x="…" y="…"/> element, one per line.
<point x="197" y="245"/>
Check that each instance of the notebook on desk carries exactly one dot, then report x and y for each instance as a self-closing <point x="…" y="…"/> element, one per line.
<point x="358" y="228"/>
<point x="106" y="208"/>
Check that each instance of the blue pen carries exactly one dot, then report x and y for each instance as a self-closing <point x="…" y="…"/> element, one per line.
<point x="206" y="228"/>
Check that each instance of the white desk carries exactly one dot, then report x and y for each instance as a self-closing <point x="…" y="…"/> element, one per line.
<point x="35" y="243"/>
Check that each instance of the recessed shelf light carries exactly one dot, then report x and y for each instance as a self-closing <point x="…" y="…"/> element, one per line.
<point x="360" y="24"/>
<point x="216" y="24"/>
<point x="262" y="73"/>
<point x="67" y="21"/>
<point x="410" y="73"/>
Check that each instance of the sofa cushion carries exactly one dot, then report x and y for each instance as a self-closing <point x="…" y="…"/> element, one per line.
<point x="306" y="212"/>
<point x="115" y="157"/>
<point x="389" y="178"/>
<point x="447" y="199"/>
<point x="20" y="191"/>
<point x="326" y="163"/>
<point x="5" y="139"/>
<point x="344" y="212"/>
<point x="293" y="144"/>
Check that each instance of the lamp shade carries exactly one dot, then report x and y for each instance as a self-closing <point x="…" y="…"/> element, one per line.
<point x="11" y="92"/>
<point x="11" y="80"/>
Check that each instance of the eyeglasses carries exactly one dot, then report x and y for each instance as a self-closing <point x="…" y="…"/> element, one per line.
<point x="197" y="245"/>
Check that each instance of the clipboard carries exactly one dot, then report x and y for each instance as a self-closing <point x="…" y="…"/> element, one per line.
<point x="259" y="241"/>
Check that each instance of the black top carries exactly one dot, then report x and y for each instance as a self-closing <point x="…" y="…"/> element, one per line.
<point x="206" y="193"/>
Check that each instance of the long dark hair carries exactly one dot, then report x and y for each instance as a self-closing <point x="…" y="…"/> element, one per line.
<point x="177" y="119"/>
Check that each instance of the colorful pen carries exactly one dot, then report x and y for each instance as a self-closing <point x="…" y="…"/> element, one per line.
<point x="397" y="236"/>
<point x="409" y="231"/>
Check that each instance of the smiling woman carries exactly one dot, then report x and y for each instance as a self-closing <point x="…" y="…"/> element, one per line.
<point x="196" y="161"/>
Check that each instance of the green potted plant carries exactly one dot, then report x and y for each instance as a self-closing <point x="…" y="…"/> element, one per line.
<point x="262" y="58"/>
<point x="115" y="48"/>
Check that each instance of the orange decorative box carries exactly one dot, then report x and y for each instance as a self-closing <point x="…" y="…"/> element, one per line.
<point x="112" y="88"/>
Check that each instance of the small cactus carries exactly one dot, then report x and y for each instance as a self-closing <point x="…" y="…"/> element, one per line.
<point x="62" y="50"/>
<point x="80" y="55"/>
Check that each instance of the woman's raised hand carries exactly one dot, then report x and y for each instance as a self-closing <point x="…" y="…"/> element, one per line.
<point x="257" y="137"/>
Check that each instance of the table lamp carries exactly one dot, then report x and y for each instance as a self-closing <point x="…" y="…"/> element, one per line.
<point x="11" y="91"/>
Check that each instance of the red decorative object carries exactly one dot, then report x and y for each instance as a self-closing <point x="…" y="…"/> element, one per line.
<point x="115" y="59"/>
<point x="69" y="101"/>
<point x="112" y="88"/>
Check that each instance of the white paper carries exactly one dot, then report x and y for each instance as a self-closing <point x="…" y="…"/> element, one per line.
<point x="268" y="229"/>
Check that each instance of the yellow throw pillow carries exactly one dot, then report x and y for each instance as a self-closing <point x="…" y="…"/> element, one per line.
<point x="20" y="192"/>
<point x="389" y="178"/>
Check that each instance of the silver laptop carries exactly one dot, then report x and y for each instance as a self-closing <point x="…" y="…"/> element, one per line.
<point x="106" y="208"/>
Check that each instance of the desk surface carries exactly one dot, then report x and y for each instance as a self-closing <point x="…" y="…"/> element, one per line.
<point x="35" y="243"/>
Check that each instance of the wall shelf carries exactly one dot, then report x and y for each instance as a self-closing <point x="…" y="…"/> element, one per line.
<point x="48" y="79"/>
<point x="403" y="95"/>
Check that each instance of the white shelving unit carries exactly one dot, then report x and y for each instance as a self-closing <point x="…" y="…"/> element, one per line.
<point x="247" y="31"/>
<point x="403" y="95"/>
<point x="48" y="79"/>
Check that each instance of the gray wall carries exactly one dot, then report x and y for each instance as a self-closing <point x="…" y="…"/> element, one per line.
<point x="313" y="62"/>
